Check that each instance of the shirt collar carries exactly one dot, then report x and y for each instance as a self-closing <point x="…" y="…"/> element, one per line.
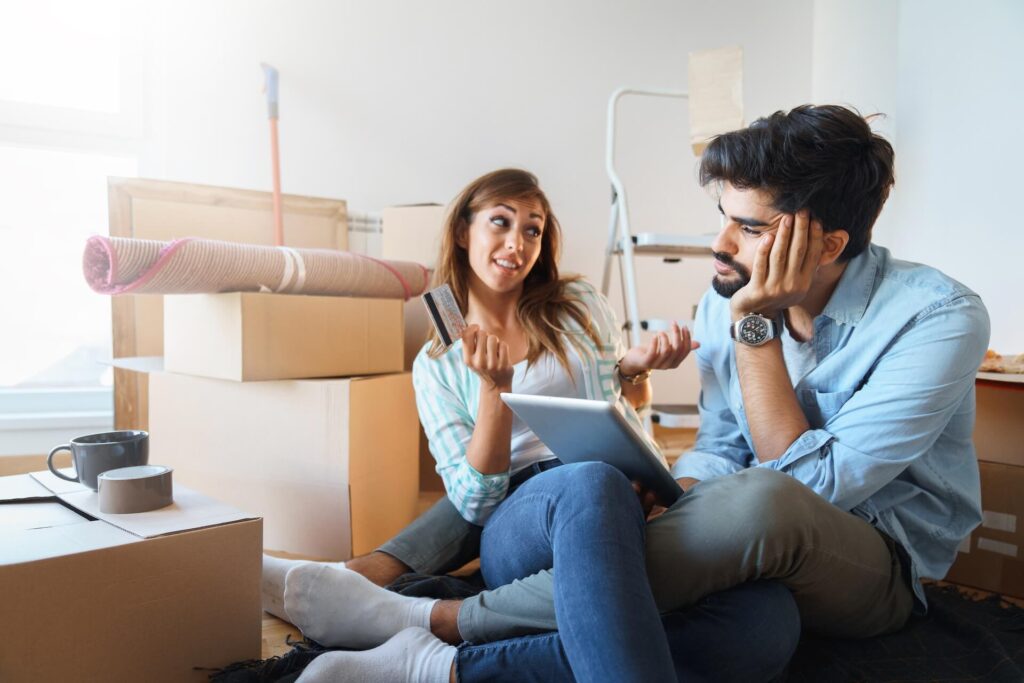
<point x="852" y="294"/>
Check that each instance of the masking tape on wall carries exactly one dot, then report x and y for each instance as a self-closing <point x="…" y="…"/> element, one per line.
<point x="999" y="521"/>
<point x="1008" y="549"/>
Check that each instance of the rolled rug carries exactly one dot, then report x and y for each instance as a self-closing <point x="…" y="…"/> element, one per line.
<point x="124" y="265"/>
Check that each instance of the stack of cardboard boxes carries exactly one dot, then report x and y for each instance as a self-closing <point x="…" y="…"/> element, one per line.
<point x="992" y="558"/>
<point x="295" y="408"/>
<point x="299" y="408"/>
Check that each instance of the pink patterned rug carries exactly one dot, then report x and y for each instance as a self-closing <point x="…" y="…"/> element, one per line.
<point x="123" y="265"/>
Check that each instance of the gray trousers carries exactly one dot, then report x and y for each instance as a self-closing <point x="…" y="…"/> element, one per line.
<point x="846" y="576"/>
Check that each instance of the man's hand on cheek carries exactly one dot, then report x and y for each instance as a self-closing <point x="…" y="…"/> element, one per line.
<point x="784" y="267"/>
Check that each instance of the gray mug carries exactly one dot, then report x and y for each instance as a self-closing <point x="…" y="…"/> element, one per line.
<point x="94" y="454"/>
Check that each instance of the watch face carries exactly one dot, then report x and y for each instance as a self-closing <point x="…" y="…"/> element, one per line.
<point x="753" y="330"/>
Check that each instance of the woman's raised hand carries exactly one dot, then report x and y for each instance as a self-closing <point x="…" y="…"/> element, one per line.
<point x="487" y="356"/>
<point x="664" y="352"/>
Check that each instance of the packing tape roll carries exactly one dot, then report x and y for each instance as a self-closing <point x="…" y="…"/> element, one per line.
<point x="142" y="488"/>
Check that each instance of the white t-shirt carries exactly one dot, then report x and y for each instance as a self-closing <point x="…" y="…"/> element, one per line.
<point x="547" y="377"/>
<point x="799" y="356"/>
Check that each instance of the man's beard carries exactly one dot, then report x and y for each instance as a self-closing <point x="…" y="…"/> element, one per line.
<point x="728" y="288"/>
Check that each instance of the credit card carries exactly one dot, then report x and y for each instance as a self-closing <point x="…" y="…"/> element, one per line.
<point x="445" y="314"/>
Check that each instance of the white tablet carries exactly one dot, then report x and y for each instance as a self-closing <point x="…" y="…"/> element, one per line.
<point x="578" y="430"/>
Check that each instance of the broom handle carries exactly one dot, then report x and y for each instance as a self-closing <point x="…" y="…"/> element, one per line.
<point x="270" y="87"/>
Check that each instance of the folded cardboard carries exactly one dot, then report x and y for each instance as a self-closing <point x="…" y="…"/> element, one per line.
<point x="146" y="597"/>
<point x="999" y="427"/>
<point x="991" y="559"/>
<point x="253" y="336"/>
<point x="716" y="94"/>
<point x="412" y="233"/>
<point x="330" y="464"/>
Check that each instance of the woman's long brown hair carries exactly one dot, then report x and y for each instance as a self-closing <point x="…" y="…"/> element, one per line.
<point x="545" y="305"/>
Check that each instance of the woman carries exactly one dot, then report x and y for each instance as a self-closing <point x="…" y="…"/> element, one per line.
<point x="531" y="331"/>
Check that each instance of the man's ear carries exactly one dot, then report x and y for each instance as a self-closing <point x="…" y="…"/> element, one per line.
<point x="835" y="242"/>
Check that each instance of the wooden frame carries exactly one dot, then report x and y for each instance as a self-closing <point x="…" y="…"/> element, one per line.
<point x="163" y="210"/>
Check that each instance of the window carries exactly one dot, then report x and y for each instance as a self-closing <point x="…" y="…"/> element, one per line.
<point x="70" y="116"/>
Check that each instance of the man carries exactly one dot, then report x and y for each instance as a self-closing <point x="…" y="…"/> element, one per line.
<point x="825" y="359"/>
<point x="837" y="404"/>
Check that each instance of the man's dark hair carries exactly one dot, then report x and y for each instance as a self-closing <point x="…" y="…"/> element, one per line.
<point x="824" y="158"/>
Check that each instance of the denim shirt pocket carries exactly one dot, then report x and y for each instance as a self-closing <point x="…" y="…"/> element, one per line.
<point x="821" y="406"/>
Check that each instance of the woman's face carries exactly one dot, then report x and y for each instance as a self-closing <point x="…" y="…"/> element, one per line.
<point x="503" y="242"/>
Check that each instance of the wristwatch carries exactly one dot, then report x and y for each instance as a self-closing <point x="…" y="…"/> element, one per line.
<point x="755" y="329"/>
<point x="638" y="378"/>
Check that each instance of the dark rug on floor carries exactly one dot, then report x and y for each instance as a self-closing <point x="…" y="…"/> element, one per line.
<point x="960" y="640"/>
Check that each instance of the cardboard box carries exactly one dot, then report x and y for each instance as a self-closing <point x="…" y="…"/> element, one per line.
<point x="999" y="426"/>
<point x="144" y="597"/>
<point x="412" y="233"/>
<point x="992" y="558"/>
<point x="417" y="329"/>
<point x="331" y="465"/>
<point x="248" y="336"/>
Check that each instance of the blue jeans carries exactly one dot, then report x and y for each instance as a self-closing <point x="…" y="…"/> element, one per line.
<point x="585" y="521"/>
<point x="745" y="634"/>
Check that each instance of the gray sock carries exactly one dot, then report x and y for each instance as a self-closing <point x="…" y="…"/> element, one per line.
<point x="338" y="607"/>
<point x="275" y="569"/>
<point x="411" y="656"/>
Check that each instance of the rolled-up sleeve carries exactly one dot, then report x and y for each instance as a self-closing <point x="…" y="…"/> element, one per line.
<point x="448" y="425"/>
<point x="899" y="412"/>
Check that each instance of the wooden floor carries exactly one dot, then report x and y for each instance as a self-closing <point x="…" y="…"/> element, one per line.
<point x="275" y="636"/>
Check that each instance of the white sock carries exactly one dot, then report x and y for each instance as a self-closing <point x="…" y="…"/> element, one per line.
<point x="338" y="607"/>
<point x="412" y="656"/>
<point x="275" y="569"/>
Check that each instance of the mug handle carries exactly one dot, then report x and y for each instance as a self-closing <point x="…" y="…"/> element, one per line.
<point x="49" y="463"/>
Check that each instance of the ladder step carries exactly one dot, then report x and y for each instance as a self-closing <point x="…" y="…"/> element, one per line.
<point x="675" y="416"/>
<point x="663" y="244"/>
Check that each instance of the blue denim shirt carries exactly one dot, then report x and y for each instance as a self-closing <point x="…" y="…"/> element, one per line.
<point x="890" y="404"/>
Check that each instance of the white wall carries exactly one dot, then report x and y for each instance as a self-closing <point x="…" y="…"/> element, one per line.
<point x="948" y="74"/>
<point x="394" y="102"/>
<point x="960" y="149"/>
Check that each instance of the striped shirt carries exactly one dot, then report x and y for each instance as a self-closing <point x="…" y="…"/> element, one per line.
<point x="448" y="397"/>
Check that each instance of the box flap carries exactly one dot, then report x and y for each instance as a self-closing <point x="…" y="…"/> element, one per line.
<point x="23" y="487"/>
<point x="29" y="545"/>
<point x="190" y="510"/>
<point x="57" y="486"/>
<point x="37" y="515"/>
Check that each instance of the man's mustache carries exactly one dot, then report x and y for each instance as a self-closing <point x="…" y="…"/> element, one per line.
<point x="724" y="258"/>
<point x="728" y="260"/>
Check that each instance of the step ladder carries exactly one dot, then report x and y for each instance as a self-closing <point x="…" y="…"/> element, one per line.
<point x="624" y="247"/>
